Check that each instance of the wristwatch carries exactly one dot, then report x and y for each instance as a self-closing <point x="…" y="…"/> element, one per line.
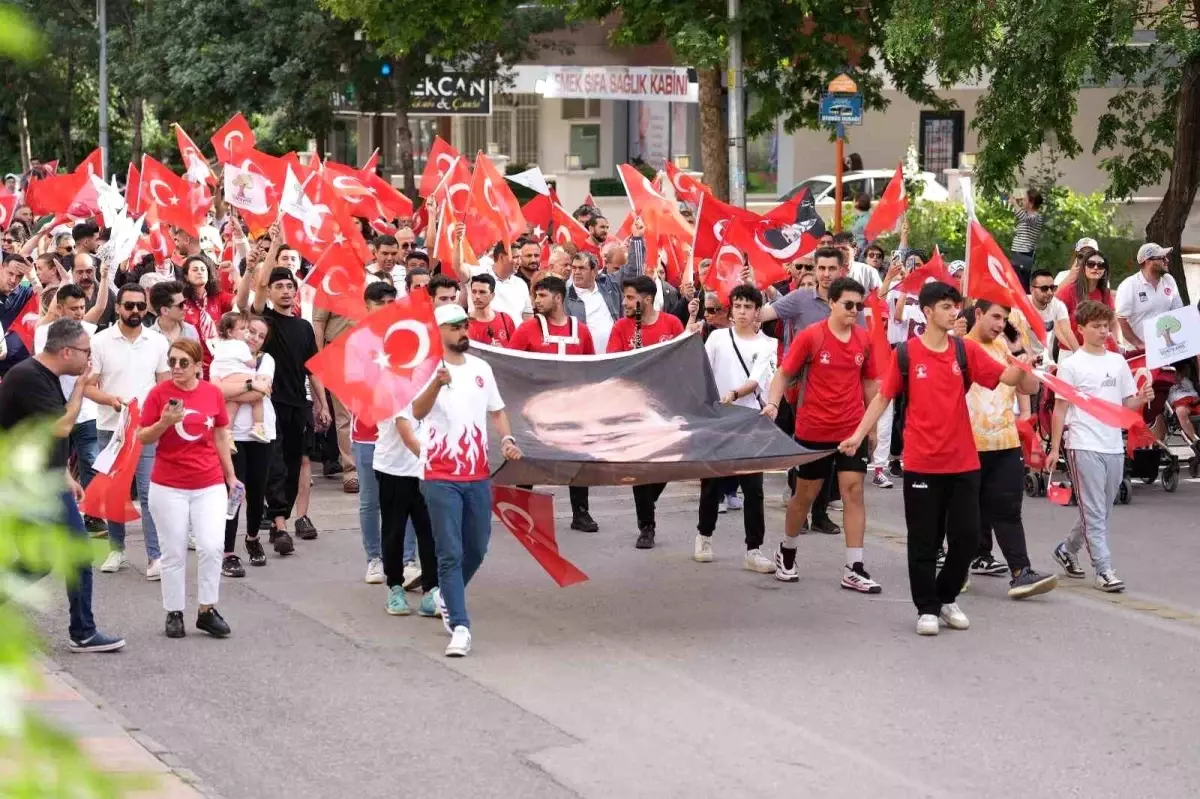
<point x="249" y="385"/>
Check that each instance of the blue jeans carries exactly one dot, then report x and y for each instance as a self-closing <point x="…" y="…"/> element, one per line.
<point x="368" y="507"/>
<point x="116" y="531"/>
<point x="84" y="443"/>
<point x="79" y="590"/>
<point x="462" y="524"/>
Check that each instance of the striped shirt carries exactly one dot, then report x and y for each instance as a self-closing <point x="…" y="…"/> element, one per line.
<point x="1028" y="231"/>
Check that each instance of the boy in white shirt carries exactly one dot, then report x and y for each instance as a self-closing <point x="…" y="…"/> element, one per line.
<point x="743" y="361"/>
<point x="1095" y="451"/>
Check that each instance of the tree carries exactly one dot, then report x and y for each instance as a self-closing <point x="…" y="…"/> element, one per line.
<point x="789" y="59"/>
<point x="1037" y="58"/>
<point x="423" y="38"/>
<point x="1166" y="327"/>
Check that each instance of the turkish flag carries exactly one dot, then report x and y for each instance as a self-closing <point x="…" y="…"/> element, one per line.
<point x="455" y="189"/>
<point x="107" y="495"/>
<point x="93" y="164"/>
<point x="725" y="273"/>
<point x="308" y="224"/>
<point x="1105" y="412"/>
<point x="26" y="321"/>
<point x="273" y="171"/>
<point x="348" y="184"/>
<point x="891" y="206"/>
<point x="765" y="257"/>
<point x="712" y="217"/>
<point x="58" y="194"/>
<point x="133" y="184"/>
<point x="496" y="200"/>
<point x="233" y="139"/>
<point x="372" y="162"/>
<point x="677" y="260"/>
<point x="383" y="227"/>
<point x="170" y="194"/>
<point x="529" y="516"/>
<point x="991" y="277"/>
<point x="643" y="197"/>
<point x="196" y="168"/>
<point x="567" y="230"/>
<point x="443" y="246"/>
<point x="156" y="241"/>
<point x="339" y="279"/>
<point x="395" y="203"/>
<point x="626" y="229"/>
<point x="877" y="321"/>
<point x="380" y="364"/>
<point x="687" y="188"/>
<point x="539" y="212"/>
<point x="439" y="162"/>
<point x="933" y="269"/>
<point x="420" y="220"/>
<point x="50" y="168"/>
<point x="1031" y="448"/>
<point x="8" y="206"/>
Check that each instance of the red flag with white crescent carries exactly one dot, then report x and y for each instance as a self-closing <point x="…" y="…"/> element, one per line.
<point x="339" y="279"/>
<point x="529" y="516"/>
<point x="567" y="230"/>
<point x="26" y="321"/>
<point x="712" y="217"/>
<point x="687" y="188"/>
<point x="1105" y="412"/>
<point x="539" y="212"/>
<point x="496" y="201"/>
<point x="233" y="140"/>
<point x="107" y="495"/>
<point x="195" y="165"/>
<point x="439" y="162"/>
<point x="725" y="273"/>
<point x="8" y="206"/>
<point x="170" y="194"/>
<point x="891" y="206"/>
<point x="991" y="277"/>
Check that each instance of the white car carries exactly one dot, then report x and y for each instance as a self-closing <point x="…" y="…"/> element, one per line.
<point x="872" y="181"/>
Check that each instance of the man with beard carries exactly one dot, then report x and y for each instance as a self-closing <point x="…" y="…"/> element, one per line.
<point x="642" y="327"/>
<point x="87" y="237"/>
<point x="529" y="253"/>
<point x="597" y="230"/>
<point x="83" y="274"/>
<point x="1143" y="295"/>
<point x="128" y="359"/>
<point x="553" y="332"/>
<point x="594" y="298"/>
<point x="487" y="325"/>
<point x="454" y="410"/>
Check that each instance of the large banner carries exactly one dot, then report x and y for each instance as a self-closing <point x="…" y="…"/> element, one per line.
<point x="647" y="416"/>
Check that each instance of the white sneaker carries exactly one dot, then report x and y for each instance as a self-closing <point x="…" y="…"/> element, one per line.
<point x="154" y="570"/>
<point x="375" y="574"/>
<point x="880" y="480"/>
<point x="1109" y="582"/>
<point x="411" y="576"/>
<point x="439" y="605"/>
<point x="756" y="561"/>
<point x="192" y="542"/>
<point x="460" y="643"/>
<point x="733" y="502"/>
<point x="927" y="624"/>
<point x="723" y="507"/>
<point x="954" y="618"/>
<point x="836" y="505"/>
<point x="703" y="550"/>
<point x="114" y="562"/>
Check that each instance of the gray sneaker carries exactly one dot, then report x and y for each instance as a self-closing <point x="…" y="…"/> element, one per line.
<point x="1030" y="583"/>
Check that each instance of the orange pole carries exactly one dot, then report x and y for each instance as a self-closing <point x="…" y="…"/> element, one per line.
<point x="837" y="182"/>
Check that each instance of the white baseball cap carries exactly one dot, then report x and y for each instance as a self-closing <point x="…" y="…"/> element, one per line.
<point x="1086" y="242"/>
<point x="450" y="314"/>
<point x="1152" y="250"/>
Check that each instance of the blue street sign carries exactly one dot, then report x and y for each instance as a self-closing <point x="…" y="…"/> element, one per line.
<point x="845" y="109"/>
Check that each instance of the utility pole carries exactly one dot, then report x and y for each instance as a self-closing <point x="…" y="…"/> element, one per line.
<point x="737" y="121"/>
<point x="102" y="23"/>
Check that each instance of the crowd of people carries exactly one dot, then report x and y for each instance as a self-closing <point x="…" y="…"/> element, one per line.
<point x="213" y="344"/>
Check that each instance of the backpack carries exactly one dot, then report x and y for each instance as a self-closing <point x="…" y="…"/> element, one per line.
<point x="960" y="355"/>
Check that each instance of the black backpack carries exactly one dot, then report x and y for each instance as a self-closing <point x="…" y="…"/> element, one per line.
<point x="960" y="355"/>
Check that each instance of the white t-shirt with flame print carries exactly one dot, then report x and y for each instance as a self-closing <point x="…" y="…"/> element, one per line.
<point x="455" y="431"/>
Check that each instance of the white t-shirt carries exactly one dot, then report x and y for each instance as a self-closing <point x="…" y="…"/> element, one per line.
<point x="391" y="456"/>
<point x="905" y="319"/>
<point x="87" y="408"/>
<point x="758" y="352"/>
<point x="1105" y="377"/>
<point x="512" y="295"/>
<point x="1183" y="389"/>
<point x="243" y="420"/>
<point x="1051" y="315"/>
<point x="1138" y="301"/>
<point x="127" y="369"/>
<point x="599" y="319"/>
<point x="230" y="356"/>
<point x="455" y="431"/>
<point x="865" y="274"/>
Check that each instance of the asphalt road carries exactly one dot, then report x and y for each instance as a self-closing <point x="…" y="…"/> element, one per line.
<point x="661" y="677"/>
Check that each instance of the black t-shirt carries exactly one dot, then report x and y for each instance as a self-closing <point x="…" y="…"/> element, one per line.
<point x="28" y="391"/>
<point x="291" y="343"/>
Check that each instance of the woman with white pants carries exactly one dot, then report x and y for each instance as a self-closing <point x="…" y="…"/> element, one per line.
<point x="187" y="418"/>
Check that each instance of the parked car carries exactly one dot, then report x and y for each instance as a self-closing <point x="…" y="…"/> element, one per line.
<point x="872" y="181"/>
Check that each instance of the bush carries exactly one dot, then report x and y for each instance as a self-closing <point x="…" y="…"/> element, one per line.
<point x="606" y="187"/>
<point x="1068" y="217"/>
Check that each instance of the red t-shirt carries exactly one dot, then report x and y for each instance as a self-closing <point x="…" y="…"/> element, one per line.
<point x="937" y="427"/>
<point x="833" y="391"/>
<point x="497" y="332"/>
<point x="361" y="432"/>
<point x="186" y="456"/>
<point x="528" y="338"/>
<point x="665" y="328"/>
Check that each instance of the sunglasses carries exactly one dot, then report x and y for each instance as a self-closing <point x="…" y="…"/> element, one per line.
<point x="1097" y="265"/>
<point x="710" y="311"/>
<point x="134" y="306"/>
<point x="181" y="363"/>
<point x="177" y="305"/>
<point x="406" y="246"/>
<point x="875" y="255"/>
<point x="851" y="305"/>
<point x="1044" y="288"/>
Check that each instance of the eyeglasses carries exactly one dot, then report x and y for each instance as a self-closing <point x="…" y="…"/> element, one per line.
<point x="406" y="245"/>
<point x="134" y="306"/>
<point x="874" y="255"/>
<point x="711" y="311"/>
<point x="1097" y="265"/>
<point x="87" y="351"/>
<point x="177" y="305"/>
<point x="1044" y="288"/>
<point x="181" y="363"/>
<point x="851" y="305"/>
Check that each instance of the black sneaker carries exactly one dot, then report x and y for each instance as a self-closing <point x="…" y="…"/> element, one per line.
<point x="210" y="621"/>
<point x="254" y="549"/>
<point x="825" y="525"/>
<point x="175" y="627"/>
<point x="264" y="523"/>
<point x="95" y="526"/>
<point x="583" y="522"/>
<point x="1030" y="583"/>
<point x="282" y="542"/>
<point x="231" y="566"/>
<point x="941" y="557"/>
<point x="305" y="529"/>
<point x="895" y="469"/>
<point x="646" y="537"/>
<point x="986" y="564"/>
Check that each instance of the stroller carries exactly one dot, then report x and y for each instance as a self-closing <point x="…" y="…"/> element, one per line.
<point x="1146" y="458"/>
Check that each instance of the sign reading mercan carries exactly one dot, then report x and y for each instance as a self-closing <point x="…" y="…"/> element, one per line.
<point x="452" y="94"/>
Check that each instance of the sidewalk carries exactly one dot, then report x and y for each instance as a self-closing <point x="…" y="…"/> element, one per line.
<point x="113" y="744"/>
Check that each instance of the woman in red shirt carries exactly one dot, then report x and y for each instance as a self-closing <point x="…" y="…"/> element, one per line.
<point x="1091" y="284"/>
<point x="186" y="417"/>
<point x="203" y="302"/>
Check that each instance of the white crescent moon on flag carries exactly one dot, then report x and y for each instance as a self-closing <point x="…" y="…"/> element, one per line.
<point x="320" y="212"/>
<point x="3" y="214"/>
<point x="345" y="183"/>
<point x="455" y="189"/>
<point x="503" y="509"/>
<point x="489" y="196"/>
<point x="729" y="249"/>
<point x="154" y="184"/>
<point x="325" y="281"/>
<point x="231" y="135"/>
<point x="437" y="163"/>
<point x="996" y="270"/>
<point x="719" y="228"/>
<point x="179" y="426"/>
<point x="419" y="330"/>
<point x="787" y="253"/>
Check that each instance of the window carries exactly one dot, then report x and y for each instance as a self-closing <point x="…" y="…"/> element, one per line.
<point x="579" y="108"/>
<point x="512" y="127"/>
<point x="817" y="187"/>
<point x="941" y="142"/>
<point x="585" y="143"/>
<point x="852" y="188"/>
